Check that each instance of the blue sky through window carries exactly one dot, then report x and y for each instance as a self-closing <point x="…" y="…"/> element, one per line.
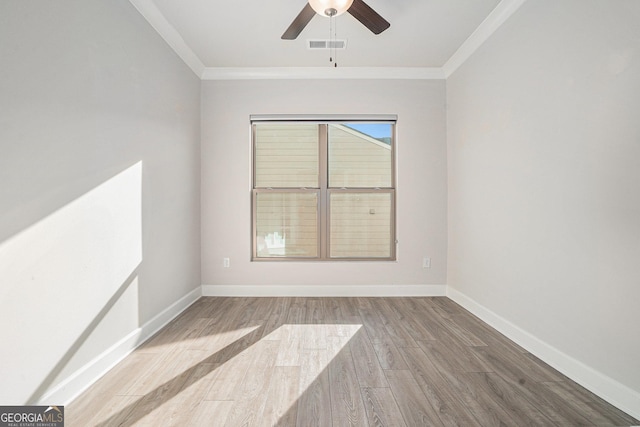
<point x="374" y="130"/>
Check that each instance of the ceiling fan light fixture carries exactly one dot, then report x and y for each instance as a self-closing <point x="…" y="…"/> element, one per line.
<point x="330" y="7"/>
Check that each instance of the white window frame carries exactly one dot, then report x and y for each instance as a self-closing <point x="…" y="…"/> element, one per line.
<point x="324" y="191"/>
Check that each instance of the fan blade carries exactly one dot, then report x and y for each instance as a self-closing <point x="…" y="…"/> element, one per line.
<point x="368" y="17"/>
<point x="298" y="24"/>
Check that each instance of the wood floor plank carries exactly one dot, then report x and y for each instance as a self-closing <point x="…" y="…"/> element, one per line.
<point x="388" y="355"/>
<point x="264" y="307"/>
<point x="348" y="328"/>
<point x="183" y="398"/>
<point x="112" y="411"/>
<point x="440" y="394"/>
<point x="246" y="338"/>
<point x="210" y="413"/>
<point x="507" y="361"/>
<point x="180" y="410"/>
<point x="150" y="406"/>
<point x="490" y="336"/>
<point x="445" y="326"/>
<point x="227" y="325"/>
<point x="276" y="318"/>
<point x="314" y="403"/>
<point x="246" y="307"/>
<point x="455" y="355"/>
<point x="498" y="393"/>
<point x="227" y="377"/>
<point x="393" y="326"/>
<point x="485" y="410"/>
<point x="290" y="345"/>
<point x="368" y="369"/>
<point x="444" y="307"/>
<point x="314" y="333"/>
<point x="296" y="310"/>
<point x="382" y="409"/>
<point x="582" y="394"/>
<point x="348" y="307"/>
<point x="281" y="404"/>
<point x="120" y="378"/>
<point x="250" y="393"/>
<point x="363" y="303"/>
<point x="193" y="333"/>
<point x="164" y="339"/>
<point x="217" y="336"/>
<point x="412" y="402"/>
<point x="410" y="303"/>
<point x="333" y="310"/>
<point x="383" y="345"/>
<point x="466" y="337"/>
<point x="463" y="388"/>
<point x="273" y="328"/>
<point x="552" y="407"/>
<point x="373" y="324"/>
<point x="564" y="393"/>
<point x="610" y="412"/>
<point x="314" y="311"/>
<point x="164" y="370"/>
<point x="173" y="332"/>
<point x="346" y="401"/>
<point x="408" y="312"/>
<point x="208" y="307"/>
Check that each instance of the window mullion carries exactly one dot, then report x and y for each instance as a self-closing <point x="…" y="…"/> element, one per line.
<point x="323" y="180"/>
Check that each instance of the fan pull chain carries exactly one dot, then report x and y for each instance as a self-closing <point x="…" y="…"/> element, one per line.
<point x="330" y="39"/>
<point x="333" y="45"/>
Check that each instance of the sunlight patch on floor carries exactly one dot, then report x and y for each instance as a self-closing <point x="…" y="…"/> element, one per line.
<point x="258" y="378"/>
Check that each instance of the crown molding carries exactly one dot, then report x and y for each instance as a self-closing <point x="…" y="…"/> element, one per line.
<point x="492" y="22"/>
<point x="274" y="73"/>
<point x="159" y="23"/>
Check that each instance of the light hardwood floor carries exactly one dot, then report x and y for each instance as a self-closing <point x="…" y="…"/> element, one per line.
<point x="335" y="362"/>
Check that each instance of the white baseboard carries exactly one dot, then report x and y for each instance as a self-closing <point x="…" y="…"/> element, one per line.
<point x="323" y="291"/>
<point x="612" y="391"/>
<point x="71" y="387"/>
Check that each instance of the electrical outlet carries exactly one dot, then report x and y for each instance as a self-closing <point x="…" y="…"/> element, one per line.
<point x="426" y="262"/>
<point x="226" y="262"/>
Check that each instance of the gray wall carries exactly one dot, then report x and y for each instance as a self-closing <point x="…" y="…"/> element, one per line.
<point x="544" y="166"/>
<point x="226" y="180"/>
<point x="99" y="185"/>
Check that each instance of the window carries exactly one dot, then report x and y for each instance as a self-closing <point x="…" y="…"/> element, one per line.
<point x="323" y="190"/>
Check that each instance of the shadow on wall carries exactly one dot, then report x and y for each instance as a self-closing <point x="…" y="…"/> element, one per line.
<point x="63" y="278"/>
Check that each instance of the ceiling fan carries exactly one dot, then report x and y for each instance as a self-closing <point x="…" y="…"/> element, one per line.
<point x="356" y="8"/>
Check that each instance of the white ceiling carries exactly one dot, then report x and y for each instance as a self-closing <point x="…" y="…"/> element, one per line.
<point x="245" y="34"/>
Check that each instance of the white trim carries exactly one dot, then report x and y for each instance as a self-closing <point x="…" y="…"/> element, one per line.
<point x="493" y="21"/>
<point x="321" y="118"/>
<point x="323" y="73"/>
<point x="156" y="19"/>
<point x="323" y="291"/>
<point x="612" y="391"/>
<point x="84" y="377"/>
